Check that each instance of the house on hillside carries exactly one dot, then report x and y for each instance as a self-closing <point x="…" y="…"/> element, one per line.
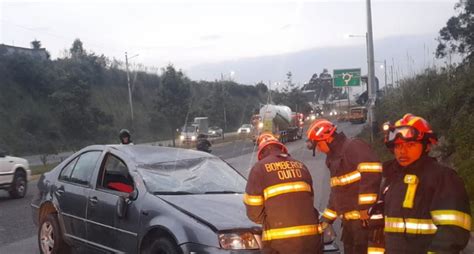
<point x="40" y="53"/>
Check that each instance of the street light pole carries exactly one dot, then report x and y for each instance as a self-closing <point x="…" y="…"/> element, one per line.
<point x="128" y="83"/>
<point x="371" y="69"/>
<point x="129" y="89"/>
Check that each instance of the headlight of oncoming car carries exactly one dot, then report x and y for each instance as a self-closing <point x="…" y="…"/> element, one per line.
<point x="181" y="137"/>
<point x="193" y="138"/>
<point x="238" y="241"/>
<point x="260" y="125"/>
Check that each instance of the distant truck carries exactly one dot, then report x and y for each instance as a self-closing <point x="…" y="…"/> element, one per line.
<point x="358" y="115"/>
<point x="278" y="120"/>
<point x="190" y="132"/>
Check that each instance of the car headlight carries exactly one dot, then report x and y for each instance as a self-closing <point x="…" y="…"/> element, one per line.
<point x="238" y="241"/>
<point x="213" y="132"/>
<point x="330" y="113"/>
<point x="193" y="138"/>
<point x="313" y="117"/>
<point x="181" y="137"/>
<point x="335" y="113"/>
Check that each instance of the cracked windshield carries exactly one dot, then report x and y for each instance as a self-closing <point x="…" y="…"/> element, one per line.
<point x="236" y="126"/>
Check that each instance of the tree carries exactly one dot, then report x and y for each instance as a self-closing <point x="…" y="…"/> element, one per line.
<point x="77" y="49"/>
<point x="458" y="34"/>
<point x="35" y="44"/>
<point x="173" y="99"/>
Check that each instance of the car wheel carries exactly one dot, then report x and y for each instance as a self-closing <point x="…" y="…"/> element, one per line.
<point x="18" y="188"/>
<point x="163" y="245"/>
<point x="50" y="238"/>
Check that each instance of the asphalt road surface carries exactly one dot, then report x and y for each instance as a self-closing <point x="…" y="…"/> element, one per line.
<point x="18" y="233"/>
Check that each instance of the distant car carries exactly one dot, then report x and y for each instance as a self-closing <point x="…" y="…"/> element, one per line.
<point x="215" y="131"/>
<point x="14" y="175"/>
<point x="333" y="113"/>
<point x="245" y="129"/>
<point x="143" y="199"/>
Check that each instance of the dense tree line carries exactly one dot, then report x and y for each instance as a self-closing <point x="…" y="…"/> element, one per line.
<point x="47" y="106"/>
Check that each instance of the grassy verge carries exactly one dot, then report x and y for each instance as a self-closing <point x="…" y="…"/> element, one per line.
<point x="40" y="169"/>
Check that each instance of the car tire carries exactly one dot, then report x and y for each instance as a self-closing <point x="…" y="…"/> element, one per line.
<point x="50" y="237"/>
<point x="19" y="185"/>
<point x="163" y="245"/>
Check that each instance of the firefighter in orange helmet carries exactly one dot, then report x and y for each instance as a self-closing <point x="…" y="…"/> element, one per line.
<point x="355" y="173"/>
<point x="279" y="196"/>
<point x="426" y="205"/>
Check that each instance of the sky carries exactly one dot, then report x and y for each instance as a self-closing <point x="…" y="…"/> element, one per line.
<point x="189" y="33"/>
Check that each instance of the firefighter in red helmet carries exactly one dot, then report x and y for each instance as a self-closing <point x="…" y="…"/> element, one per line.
<point x="279" y="196"/>
<point x="425" y="203"/>
<point x="355" y="173"/>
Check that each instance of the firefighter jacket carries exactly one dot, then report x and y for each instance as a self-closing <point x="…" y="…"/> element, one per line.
<point x="355" y="178"/>
<point x="279" y="195"/>
<point x="426" y="209"/>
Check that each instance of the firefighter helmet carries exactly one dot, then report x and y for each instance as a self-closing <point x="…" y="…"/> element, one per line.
<point x="410" y="128"/>
<point x="267" y="139"/>
<point x="321" y="130"/>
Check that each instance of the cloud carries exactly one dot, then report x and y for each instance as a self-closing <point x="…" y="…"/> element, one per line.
<point x="211" y="37"/>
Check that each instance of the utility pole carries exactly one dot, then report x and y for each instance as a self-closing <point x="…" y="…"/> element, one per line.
<point x="371" y="78"/>
<point x="391" y="73"/>
<point x="129" y="89"/>
<point x="385" y="69"/>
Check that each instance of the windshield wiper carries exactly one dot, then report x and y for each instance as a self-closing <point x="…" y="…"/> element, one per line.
<point x="222" y="192"/>
<point x="172" y="193"/>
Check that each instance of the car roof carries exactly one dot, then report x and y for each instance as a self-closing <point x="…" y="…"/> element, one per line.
<point x="149" y="154"/>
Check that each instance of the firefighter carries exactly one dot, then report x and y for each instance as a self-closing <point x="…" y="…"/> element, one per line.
<point x="355" y="173"/>
<point x="279" y="196"/>
<point x="426" y="205"/>
<point x="125" y="138"/>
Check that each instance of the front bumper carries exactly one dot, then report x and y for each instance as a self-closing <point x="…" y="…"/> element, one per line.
<point x="194" y="248"/>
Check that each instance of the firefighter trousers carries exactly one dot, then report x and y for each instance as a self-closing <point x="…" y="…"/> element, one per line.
<point x="355" y="237"/>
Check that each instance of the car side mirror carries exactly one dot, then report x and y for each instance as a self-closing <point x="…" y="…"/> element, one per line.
<point x="124" y="201"/>
<point x="121" y="207"/>
<point x="132" y="196"/>
<point x="3" y="153"/>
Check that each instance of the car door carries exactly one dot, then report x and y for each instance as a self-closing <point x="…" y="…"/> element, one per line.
<point x="6" y="175"/>
<point x="104" y="227"/>
<point x="72" y="193"/>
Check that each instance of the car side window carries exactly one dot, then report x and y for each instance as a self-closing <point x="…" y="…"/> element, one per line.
<point x="67" y="170"/>
<point x="84" y="167"/>
<point x="114" y="175"/>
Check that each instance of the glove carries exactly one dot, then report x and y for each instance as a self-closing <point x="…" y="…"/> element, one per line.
<point x="364" y="217"/>
<point x="377" y="208"/>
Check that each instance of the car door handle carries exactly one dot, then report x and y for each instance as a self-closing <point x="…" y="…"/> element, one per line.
<point x="93" y="200"/>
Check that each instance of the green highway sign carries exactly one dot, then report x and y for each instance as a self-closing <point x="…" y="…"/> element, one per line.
<point x="346" y="77"/>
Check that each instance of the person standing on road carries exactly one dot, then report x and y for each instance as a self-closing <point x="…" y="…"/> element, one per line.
<point x="125" y="138"/>
<point x="426" y="204"/>
<point x="203" y="144"/>
<point x="355" y="181"/>
<point x="279" y="196"/>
